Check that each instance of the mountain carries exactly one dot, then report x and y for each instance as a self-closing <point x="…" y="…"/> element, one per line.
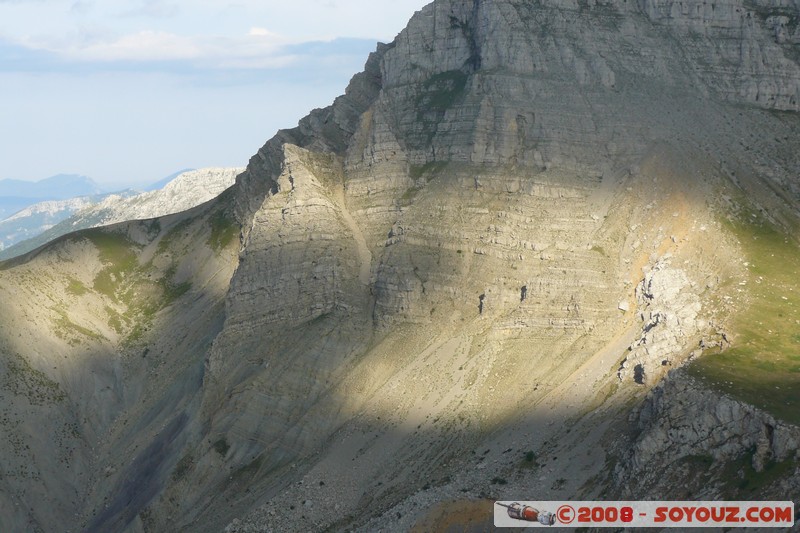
<point x="39" y="217"/>
<point x="58" y="187"/>
<point x="160" y="184"/>
<point x="540" y="250"/>
<point x="51" y="220"/>
<point x="18" y="194"/>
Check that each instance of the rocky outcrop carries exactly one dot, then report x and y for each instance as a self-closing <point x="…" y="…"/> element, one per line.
<point x="746" y="51"/>
<point x="482" y="176"/>
<point x="683" y="420"/>
<point x="668" y="308"/>
<point x="426" y="283"/>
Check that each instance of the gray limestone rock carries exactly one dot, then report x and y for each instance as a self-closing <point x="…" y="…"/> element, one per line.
<point x="682" y="418"/>
<point x="668" y="307"/>
<point x="428" y="268"/>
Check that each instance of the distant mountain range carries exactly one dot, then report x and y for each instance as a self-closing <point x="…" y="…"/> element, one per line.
<point x="44" y="221"/>
<point x="39" y="217"/>
<point x="16" y="195"/>
<point x="58" y="187"/>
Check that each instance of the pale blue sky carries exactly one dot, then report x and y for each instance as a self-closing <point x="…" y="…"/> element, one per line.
<point x="129" y="91"/>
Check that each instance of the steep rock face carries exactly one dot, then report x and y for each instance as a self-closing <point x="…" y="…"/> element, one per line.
<point x="324" y="130"/>
<point x="668" y="310"/>
<point x="746" y="51"/>
<point x="492" y="161"/>
<point x="437" y="276"/>
<point x="305" y="264"/>
<point x="671" y="431"/>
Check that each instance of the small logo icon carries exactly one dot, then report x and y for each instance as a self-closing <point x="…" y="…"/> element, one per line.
<point x="527" y="513"/>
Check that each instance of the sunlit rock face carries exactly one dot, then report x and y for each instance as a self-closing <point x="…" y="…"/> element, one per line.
<point x="446" y="269"/>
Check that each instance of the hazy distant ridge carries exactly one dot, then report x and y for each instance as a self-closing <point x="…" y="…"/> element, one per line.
<point x="39" y="224"/>
<point x="58" y="187"/>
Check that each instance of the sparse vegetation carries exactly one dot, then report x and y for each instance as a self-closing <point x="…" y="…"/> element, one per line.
<point x="737" y="477"/>
<point x="223" y="230"/>
<point x="428" y="170"/>
<point x="221" y="446"/>
<point x="169" y="239"/>
<point x="599" y="249"/>
<point x="71" y="332"/>
<point x="24" y="380"/>
<point x="76" y="288"/>
<point x="184" y="464"/>
<point x="700" y="463"/>
<point x="442" y="90"/>
<point x="114" y="320"/>
<point x="117" y="253"/>
<point x="173" y="290"/>
<point x="139" y="289"/>
<point x="249" y="470"/>
<point x="741" y="478"/>
<point x="530" y="458"/>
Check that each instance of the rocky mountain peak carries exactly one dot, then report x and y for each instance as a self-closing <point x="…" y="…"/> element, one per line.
<point x="503" y="81"/>
<point x="452" y="284"/>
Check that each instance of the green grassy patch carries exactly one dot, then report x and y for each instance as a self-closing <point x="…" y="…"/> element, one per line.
<point x="174" y="233"/>
<point x="762" y="368"/>
<point x="76" y="288"/>
<point x="742" y="480"/>
<point x="442" y="90"/>
<point x="224" y="229"/>
<point x="182" y="468"/>
<point x="599" y="249"/>
<point x="115" y="320"/>
<point x="529" y="460"/>
<point x="429" y="170"/>
<point x="172" y="289"/>
<point x="221" y="446"/>
<point x="118" y="255"/>
<point x="139" y="288"/>
<point x="699" y="463"/>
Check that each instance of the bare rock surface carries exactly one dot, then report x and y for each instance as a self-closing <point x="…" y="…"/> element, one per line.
<point x="422" y="293"/>
<point x="668" y="308"/>
<point x="673" y="433"/>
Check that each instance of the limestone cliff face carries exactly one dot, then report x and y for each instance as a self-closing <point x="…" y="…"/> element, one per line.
<point x="443" y="271"/>
<point x="499" y="174"/>
<point x="674" y="436"/>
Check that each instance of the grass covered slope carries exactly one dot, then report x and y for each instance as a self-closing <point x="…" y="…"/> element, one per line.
<point x="761" y="366"/>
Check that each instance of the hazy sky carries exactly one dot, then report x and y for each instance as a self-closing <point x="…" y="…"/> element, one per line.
<point x="129" y="91"/>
